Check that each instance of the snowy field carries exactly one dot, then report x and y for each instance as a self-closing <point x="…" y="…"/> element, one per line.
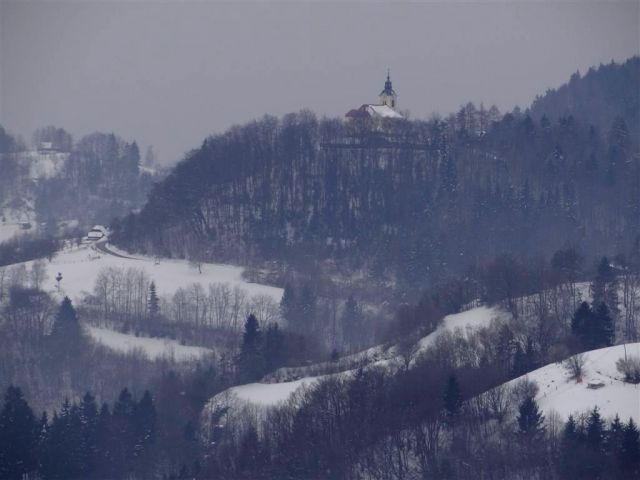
<point x="269" y="394"/>
<point x="153" y="348"/>
<point x="558" y="393"/>
<point x="468" y="321"/>
<point x="80" y="268"/>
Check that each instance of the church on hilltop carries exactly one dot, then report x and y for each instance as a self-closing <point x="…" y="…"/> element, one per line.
<point x="385" y="109"/>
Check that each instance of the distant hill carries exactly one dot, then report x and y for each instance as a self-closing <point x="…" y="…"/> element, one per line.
<point x="597" y="97"/>
<point x="406" y="201"/>
<point x="86" y="182"/>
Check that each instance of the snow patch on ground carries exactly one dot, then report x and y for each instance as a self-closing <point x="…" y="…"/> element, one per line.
<point x="153" y="348"/>
<point x="558" y="393"/>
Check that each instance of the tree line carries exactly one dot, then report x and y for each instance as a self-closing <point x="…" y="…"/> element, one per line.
<point x="82" y="440"/>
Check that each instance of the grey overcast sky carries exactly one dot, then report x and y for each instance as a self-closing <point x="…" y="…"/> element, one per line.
<point x="169" y="73"/>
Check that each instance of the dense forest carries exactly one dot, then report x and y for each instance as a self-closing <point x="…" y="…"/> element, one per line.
<point x="405" y="201"/>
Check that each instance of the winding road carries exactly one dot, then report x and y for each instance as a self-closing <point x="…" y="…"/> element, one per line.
<point x="101" y="245"/>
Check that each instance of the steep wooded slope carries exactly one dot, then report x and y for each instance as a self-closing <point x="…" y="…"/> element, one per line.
<point x="404" y="199"/>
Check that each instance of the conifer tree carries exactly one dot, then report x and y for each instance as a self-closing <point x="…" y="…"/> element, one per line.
<point x="569" y="460"/>
<point x="251" y="360"/>
<point x="89" y="422"/>
<point x="123" y="434"/>
<point x="594" y="441"/>
<point x="452" y="398"/>
<point x="43" y="438"/>
<point x="67" y="338"/>
<point x="144" y="420"/>
<point x="604" y="288"/>
<point x="154" y="302"/>
<point x="105" y="463"/>
<point x="629" y="456"/>
<point x="581" y="323"/>
<point x="530" y="419"/>
<point x="613" y="440"/>
<point x="603" y="331"/>
<point x="18" y="436"/>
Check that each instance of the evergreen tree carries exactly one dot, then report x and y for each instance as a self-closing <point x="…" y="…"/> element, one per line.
<point x="123" y="439"/>
<point x="249" y="456"/>
<point x="144" y="420"/>
<point x="530" y="419"/>
<point x="105" y="445"/>
<point x="64" y="447"/>
<point x="603" y="332"/>
<point x="18" y="436"/>
<point x="251" y="360"/>
<point x="43" y="438"/>
<point x="594" y="441"/>
<point x="153" y="303"/>
<point x="613" y="441"/>
<point x="604" y="288"/>
<point x="89" y="426"/>
<point x="570" y="459"/>
<point x="452" y="398"/>
<point x="581" y="322"/>
<point x="629" y="456"/>
<point x="67" y="338"/>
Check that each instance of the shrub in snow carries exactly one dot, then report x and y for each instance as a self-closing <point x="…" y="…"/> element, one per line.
<point x="575" y="366"/>
<point x="524" y="389"/>
<point x="630" y="368"/>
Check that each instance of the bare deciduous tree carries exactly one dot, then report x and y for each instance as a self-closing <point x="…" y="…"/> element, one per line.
<point x="575" y="366"/>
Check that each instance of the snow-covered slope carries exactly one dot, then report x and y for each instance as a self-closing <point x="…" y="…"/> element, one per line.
<point x="153" y="348"/>
<point x="391" y="356"/>
<point x="269" y="394"/>
<point x="285" y="381"/>
<point x="558" y="393"/>
<point x="80" y="268"/>
<point x="467" y="321"/>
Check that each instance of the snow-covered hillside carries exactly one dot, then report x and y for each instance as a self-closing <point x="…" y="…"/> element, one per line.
<point x="80" y="268"/>
<point x="391" y="356"/>
<point x="153" y="348"/>
<point x="285" y="381"/>
<point x="467" y="322"/>
<point x="269" y="394"/>
<point x="558" y="393"/>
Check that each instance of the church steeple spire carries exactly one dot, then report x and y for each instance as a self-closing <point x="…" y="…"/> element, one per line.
<point x="388" y="96"/>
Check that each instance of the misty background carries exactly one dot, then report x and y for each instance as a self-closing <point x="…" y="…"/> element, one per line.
<point x="170" y="73"/>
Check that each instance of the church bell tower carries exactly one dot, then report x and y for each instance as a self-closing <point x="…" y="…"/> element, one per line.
<point x="388" y="96"/>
